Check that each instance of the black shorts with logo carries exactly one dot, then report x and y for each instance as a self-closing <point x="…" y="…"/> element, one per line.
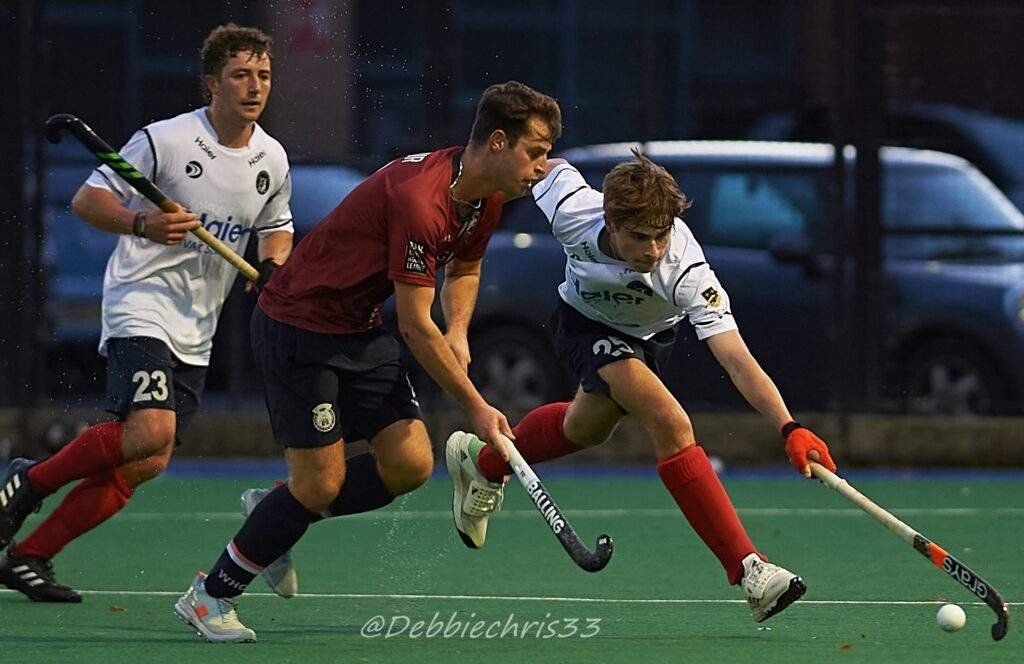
<point x="585" y="345"/>
<point x="326" y="387"/>
<point x="142" y="372"/>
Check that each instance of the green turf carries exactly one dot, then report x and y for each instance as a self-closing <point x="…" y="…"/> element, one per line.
<point x="373" y="563"/>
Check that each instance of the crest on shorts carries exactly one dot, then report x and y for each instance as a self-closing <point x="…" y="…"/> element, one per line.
<point x="323" y="417"/>
<point x="416" y="257"/>
<point x="713" y="297"/>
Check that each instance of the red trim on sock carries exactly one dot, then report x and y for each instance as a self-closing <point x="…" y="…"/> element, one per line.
<point x="89" y="504"/>
<point x="539" y="437"/>
<point x="95" y="451"/>
<point x="695" y="486"/>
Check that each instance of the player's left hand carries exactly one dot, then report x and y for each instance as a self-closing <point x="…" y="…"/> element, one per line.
<point x="266" y="269"/>
<point x="803" y="446"/>
<point x="459" y="345"/>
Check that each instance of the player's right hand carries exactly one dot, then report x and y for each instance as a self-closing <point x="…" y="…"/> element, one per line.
<point x="490" y="424"/>
<point x="802" y="445"/>
<point x="169" y="227"/>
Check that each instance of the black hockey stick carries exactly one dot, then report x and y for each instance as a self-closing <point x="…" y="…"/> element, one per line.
<point x="939" y="557"/>
<point x="591" y="561"/>
<point x="57" y="125"/>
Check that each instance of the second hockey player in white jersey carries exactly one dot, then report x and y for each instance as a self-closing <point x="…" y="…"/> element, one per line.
<point x="634" y="272"/>
<point x="162" y="294"/>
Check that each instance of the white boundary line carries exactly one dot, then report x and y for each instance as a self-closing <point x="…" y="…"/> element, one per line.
<point x="600" y="513"/>
<point x="529" y="598"/>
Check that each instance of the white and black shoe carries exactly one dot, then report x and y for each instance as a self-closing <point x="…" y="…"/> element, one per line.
<point x="769" y="588"/>
<point x="213" y="618"/>
<point x="474" y="497"/>
<point x="17" y="499"/>
<point x="33" y="577"/>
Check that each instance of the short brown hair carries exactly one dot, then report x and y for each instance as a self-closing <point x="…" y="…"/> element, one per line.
<point x="224" y="42"/>
<point x="509" y="106"/>
<point x="640" y="192"/>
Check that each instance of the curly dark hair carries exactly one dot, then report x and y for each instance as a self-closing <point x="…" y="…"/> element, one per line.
<point x="509" y="106"/>
<point x="641" y="192"/>
<point x="224" y="42"/>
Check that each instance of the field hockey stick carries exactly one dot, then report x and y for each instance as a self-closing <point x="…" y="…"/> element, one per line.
<point x="64" y="122"/>
<point x="963" y="574"/>
<point x="559" y="525"/>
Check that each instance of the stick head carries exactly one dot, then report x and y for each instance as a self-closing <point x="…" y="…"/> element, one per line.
<point x="57" y="125"/>
<point x="1002" y="622"/>
<point x="602" y="554"/>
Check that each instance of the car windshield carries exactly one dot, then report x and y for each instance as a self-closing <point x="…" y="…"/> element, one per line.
<point x="960" y="215"/>
<point x="941" y="198"/>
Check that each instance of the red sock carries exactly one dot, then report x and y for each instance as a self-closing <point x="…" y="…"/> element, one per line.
<point x="692" y="481"/>
<point x="89" y="504"/>
<point x="94" y="451"/>
<point x="539" y="437"/>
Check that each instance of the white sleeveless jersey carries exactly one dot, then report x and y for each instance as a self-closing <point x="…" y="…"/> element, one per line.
<point x="604" y="289"/>
<point x="175" y="293"/>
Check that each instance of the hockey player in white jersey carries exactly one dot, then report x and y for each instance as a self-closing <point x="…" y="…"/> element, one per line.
<point x="162" y="294"/>
<point x="634" y="271"/>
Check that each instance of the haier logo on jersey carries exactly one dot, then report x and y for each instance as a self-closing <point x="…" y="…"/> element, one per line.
<point x="608" y="296"/>
<point x="256" y="159"/>
<point x="225" y="231"/>
<point x="205" y="147"/>
<point x="589" y="252"/>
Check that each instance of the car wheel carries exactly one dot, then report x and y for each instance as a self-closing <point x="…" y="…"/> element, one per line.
<point x="516" y="370"/>
<point x="951" y="378"/>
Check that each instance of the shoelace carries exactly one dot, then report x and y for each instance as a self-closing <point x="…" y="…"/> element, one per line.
<point x="227" y="608"/>
<point x="483" y="498"/>
<point x="758" y="576"/>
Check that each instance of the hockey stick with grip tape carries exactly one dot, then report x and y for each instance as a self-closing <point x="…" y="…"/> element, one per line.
<point x="591" y="561"/>
<point x="939" y="557"/>
<point x="57" y="125"/>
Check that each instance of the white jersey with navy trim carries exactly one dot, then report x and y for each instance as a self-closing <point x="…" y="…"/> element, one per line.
<point x="602" y="288"/>
<point x="175" y="293"/>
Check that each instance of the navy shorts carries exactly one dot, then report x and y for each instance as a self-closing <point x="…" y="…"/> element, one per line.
<point x="585" y="345"/>
<point x="142" y="372"/>
<point x="326" y="387"/>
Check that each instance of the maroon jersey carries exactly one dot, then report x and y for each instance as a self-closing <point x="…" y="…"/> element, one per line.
<point x="398" y="225"/>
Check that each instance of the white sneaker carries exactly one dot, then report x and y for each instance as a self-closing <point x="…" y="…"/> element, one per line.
<point x="769" y="588"/>
<point x="475" y="497"/>
<point x="280" y="575"/>
<point x="213" y="618"/>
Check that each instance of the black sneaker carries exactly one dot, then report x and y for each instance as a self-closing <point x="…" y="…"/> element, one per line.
<point x="33" y="577"/>
<point x="17" y="499"/>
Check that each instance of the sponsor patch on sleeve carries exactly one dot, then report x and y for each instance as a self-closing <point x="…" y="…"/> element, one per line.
<point x="416" y="257"/>
<point x="713" y="297"/>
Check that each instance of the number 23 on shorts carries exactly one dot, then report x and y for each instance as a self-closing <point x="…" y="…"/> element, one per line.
<point x="152" y="386"/>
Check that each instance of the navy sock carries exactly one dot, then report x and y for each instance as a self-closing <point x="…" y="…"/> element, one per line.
<point x="363" y="489"/>
<point x="275" y="525"/>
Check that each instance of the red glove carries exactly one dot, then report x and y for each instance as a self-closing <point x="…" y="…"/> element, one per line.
<point x="799" y="441"/>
